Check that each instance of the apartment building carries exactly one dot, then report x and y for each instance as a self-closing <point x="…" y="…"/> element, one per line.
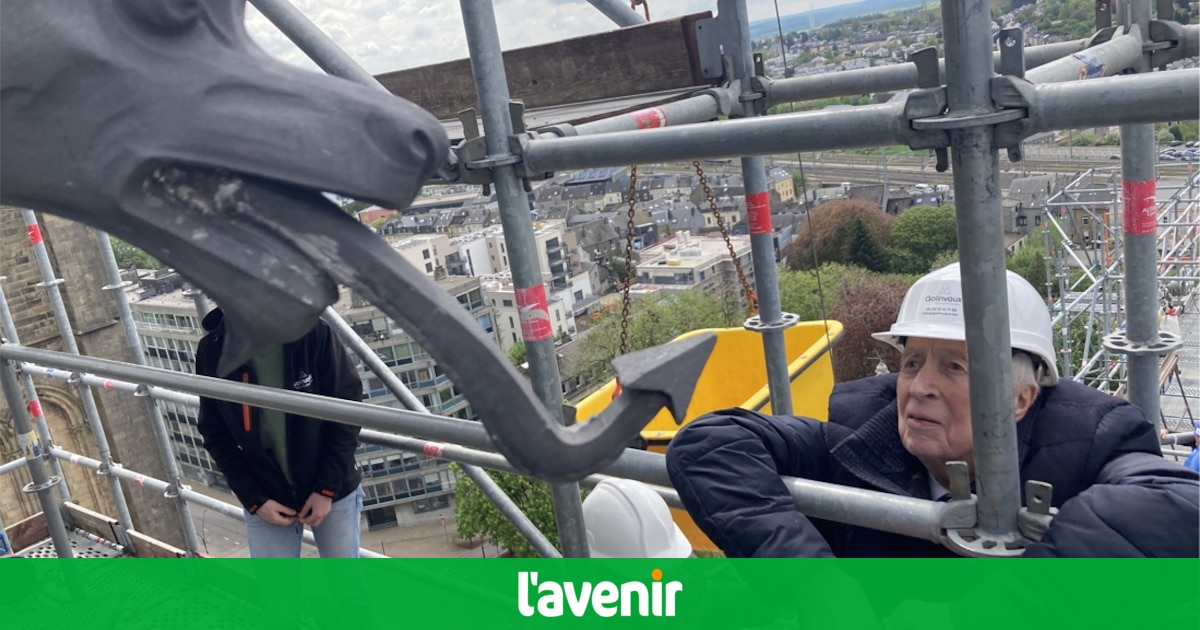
<point x="687" y="262"/>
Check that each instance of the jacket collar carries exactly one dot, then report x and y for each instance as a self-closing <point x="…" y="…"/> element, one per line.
<point x="875" y="455"/>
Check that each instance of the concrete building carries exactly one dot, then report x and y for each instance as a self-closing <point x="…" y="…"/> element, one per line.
<point x="426" y="252"/>
<point x="687" y="262"/>
<point x="499" y="294"/>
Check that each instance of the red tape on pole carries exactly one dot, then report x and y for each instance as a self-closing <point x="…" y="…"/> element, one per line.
<point x="758" y="209"/>
<point x="1140" y="208"/>
<point x="35" y="233"/>
<point x="534" y="313"/>
<point x="650" y="117"/>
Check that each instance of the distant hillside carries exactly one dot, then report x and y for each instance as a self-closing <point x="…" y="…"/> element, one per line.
<point x="821" y="17"/>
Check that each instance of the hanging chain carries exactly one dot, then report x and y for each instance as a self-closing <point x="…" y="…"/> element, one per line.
<point x="751" y="298"/>
<point x="629" y="274"/>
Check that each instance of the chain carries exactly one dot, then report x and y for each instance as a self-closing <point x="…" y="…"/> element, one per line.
<point x="629" y="273"/>
<point x="751" y="298"/>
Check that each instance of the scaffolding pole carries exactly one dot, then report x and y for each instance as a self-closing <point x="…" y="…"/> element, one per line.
<point x="771" y="321"/>
<point x="32" y="448"/>
<point x="1049" y="107"/>
<point x="1140" y="339"/>
<point x="619" y="12"/>
<point x="205" y="501"/>
<point x="479" y="476"/>
<point x="9" y="328"/>
<point x="966" y="25"/>
<point x="50" y="283"/>
<point x="162" y="438"/>
<point x="879" y="510"/>
<point x="491" y="86"/>
<point x="890" y="78"/>
<point x="314" y="42"/>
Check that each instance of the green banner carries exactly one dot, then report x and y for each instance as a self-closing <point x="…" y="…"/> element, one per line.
<point x="692" y="593"/>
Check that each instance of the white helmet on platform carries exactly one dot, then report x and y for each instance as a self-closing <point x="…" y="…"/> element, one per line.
<point x="933" y="309"/>
<point x="627" y="519"/>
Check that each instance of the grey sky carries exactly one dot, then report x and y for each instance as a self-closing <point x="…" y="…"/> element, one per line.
<point x="387" y="35"/>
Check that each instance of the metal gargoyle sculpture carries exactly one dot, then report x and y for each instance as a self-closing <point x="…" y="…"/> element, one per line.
<point x="161" y="122"/>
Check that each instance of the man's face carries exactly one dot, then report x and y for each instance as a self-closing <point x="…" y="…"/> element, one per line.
<point x="934" y="402"/>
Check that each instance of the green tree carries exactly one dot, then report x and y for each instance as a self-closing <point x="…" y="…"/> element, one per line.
<point x="827" y="233"/>
<point x="864" y="251"/>
<point x="810" y="294"/>
<point x="653" y="320"/>
<point x="474" y="514"/>
<point x="516" y="354"/>
<point x="130" y="257"/>
<point x="919" y="236"/>
<point x="945" y="258"/>
<point x="1029" y="262"/>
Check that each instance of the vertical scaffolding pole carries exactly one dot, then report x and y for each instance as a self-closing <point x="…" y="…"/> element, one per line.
<point x="770" y="322"/>
<point x="68" y="337"/>
<point x="9" y="328"/>
<point x="967" y="28"/>
<point x="161" y="437"/>
<point x="33" y="449"/>
<point x="1140" y="223"/>
<point x="491" y="86"/>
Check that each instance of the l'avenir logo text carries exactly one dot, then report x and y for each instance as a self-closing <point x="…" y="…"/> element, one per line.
<point x="549" y="598"/>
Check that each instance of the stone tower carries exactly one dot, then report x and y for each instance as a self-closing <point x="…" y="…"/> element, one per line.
<point x="93" y="315"/>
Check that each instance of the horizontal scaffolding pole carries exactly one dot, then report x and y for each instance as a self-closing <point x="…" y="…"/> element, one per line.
<point x="890" y="78"/>
<point x="1111" y="57"/>
<point x="1121" y="100"/>
<point x="698" y="108"/>
<point x="158" y="485"/>
<point x="902" y="515"/>
<point x="868" y="125"/>
<point x="15" y="464"/>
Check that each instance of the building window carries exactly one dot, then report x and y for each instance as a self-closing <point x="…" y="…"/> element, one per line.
<point x="428" y="267"/>
<point x="507" y="303"/>
<point x="425" y="254"/>
<point x="510" y="323"/>
<point x="1037" y="220"/>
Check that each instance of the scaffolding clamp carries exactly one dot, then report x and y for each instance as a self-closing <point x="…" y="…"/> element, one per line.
<point x="1119" y="342"/>
<point x="51" y="481"/>
<point x="756" y="324"/>
<point x="1166" y="43"/>
<point x="1034" y="519"/>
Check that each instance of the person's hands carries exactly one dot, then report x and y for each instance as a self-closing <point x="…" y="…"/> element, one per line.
<point x="314" y="509"/>
<point x="276" y="513"/>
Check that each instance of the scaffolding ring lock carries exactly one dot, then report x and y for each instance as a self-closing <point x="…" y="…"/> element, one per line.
<point x="756" y="324"/>
<point x="1119" y="342"/>
<point x="51" y="481"/>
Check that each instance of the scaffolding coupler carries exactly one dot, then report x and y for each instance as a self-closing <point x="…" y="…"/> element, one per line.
<point x="959" y="525"/>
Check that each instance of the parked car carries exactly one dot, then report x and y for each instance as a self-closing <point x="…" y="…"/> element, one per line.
<point x="1175" y="143"/>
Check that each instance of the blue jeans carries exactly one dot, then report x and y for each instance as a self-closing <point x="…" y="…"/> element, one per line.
<point x="337" y="536"/>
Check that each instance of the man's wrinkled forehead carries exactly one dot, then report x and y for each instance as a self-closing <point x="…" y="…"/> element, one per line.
<point x="923" y="346"/>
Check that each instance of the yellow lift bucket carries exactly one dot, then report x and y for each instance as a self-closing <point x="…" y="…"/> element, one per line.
<point x="736" y="376"/>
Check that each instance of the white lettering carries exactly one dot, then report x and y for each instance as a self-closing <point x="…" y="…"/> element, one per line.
<point x="657" y="590"/>
<point x="672" y="589"/>
<point x="523" y="606"/>
<point x="550" y="604"/>
<point x="578" y="604"/>
<point x="603" y="595"/>
<point x="628" y="590"/>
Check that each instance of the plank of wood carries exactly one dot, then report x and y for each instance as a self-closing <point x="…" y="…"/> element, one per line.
<point x="148" y="547"/>
<point x="636" y="60"/>
<point x="27" y="532"/>
<point x="92" y="522"/>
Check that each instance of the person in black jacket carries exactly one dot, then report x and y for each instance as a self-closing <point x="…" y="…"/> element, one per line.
<point x="288" y="471"/>
<point x="895" y="433"/>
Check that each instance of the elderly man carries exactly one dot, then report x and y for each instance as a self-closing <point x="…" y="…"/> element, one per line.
<point x="895" y="433"/>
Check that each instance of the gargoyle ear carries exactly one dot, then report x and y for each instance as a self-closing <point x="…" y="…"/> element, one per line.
<point x="162" y="17"/>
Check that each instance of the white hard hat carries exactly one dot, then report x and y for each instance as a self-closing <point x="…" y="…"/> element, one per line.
<point x="933" y="309"/>
<point x="626" y="519"/>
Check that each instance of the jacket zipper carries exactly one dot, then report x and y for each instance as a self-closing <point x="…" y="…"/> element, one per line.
<point x="246" y="408"/>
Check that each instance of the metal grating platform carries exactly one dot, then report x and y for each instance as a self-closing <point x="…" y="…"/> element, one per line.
<point x="81" y="546"/>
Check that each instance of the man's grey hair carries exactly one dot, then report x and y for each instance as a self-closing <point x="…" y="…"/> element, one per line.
<point x="1023" y="372"/>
